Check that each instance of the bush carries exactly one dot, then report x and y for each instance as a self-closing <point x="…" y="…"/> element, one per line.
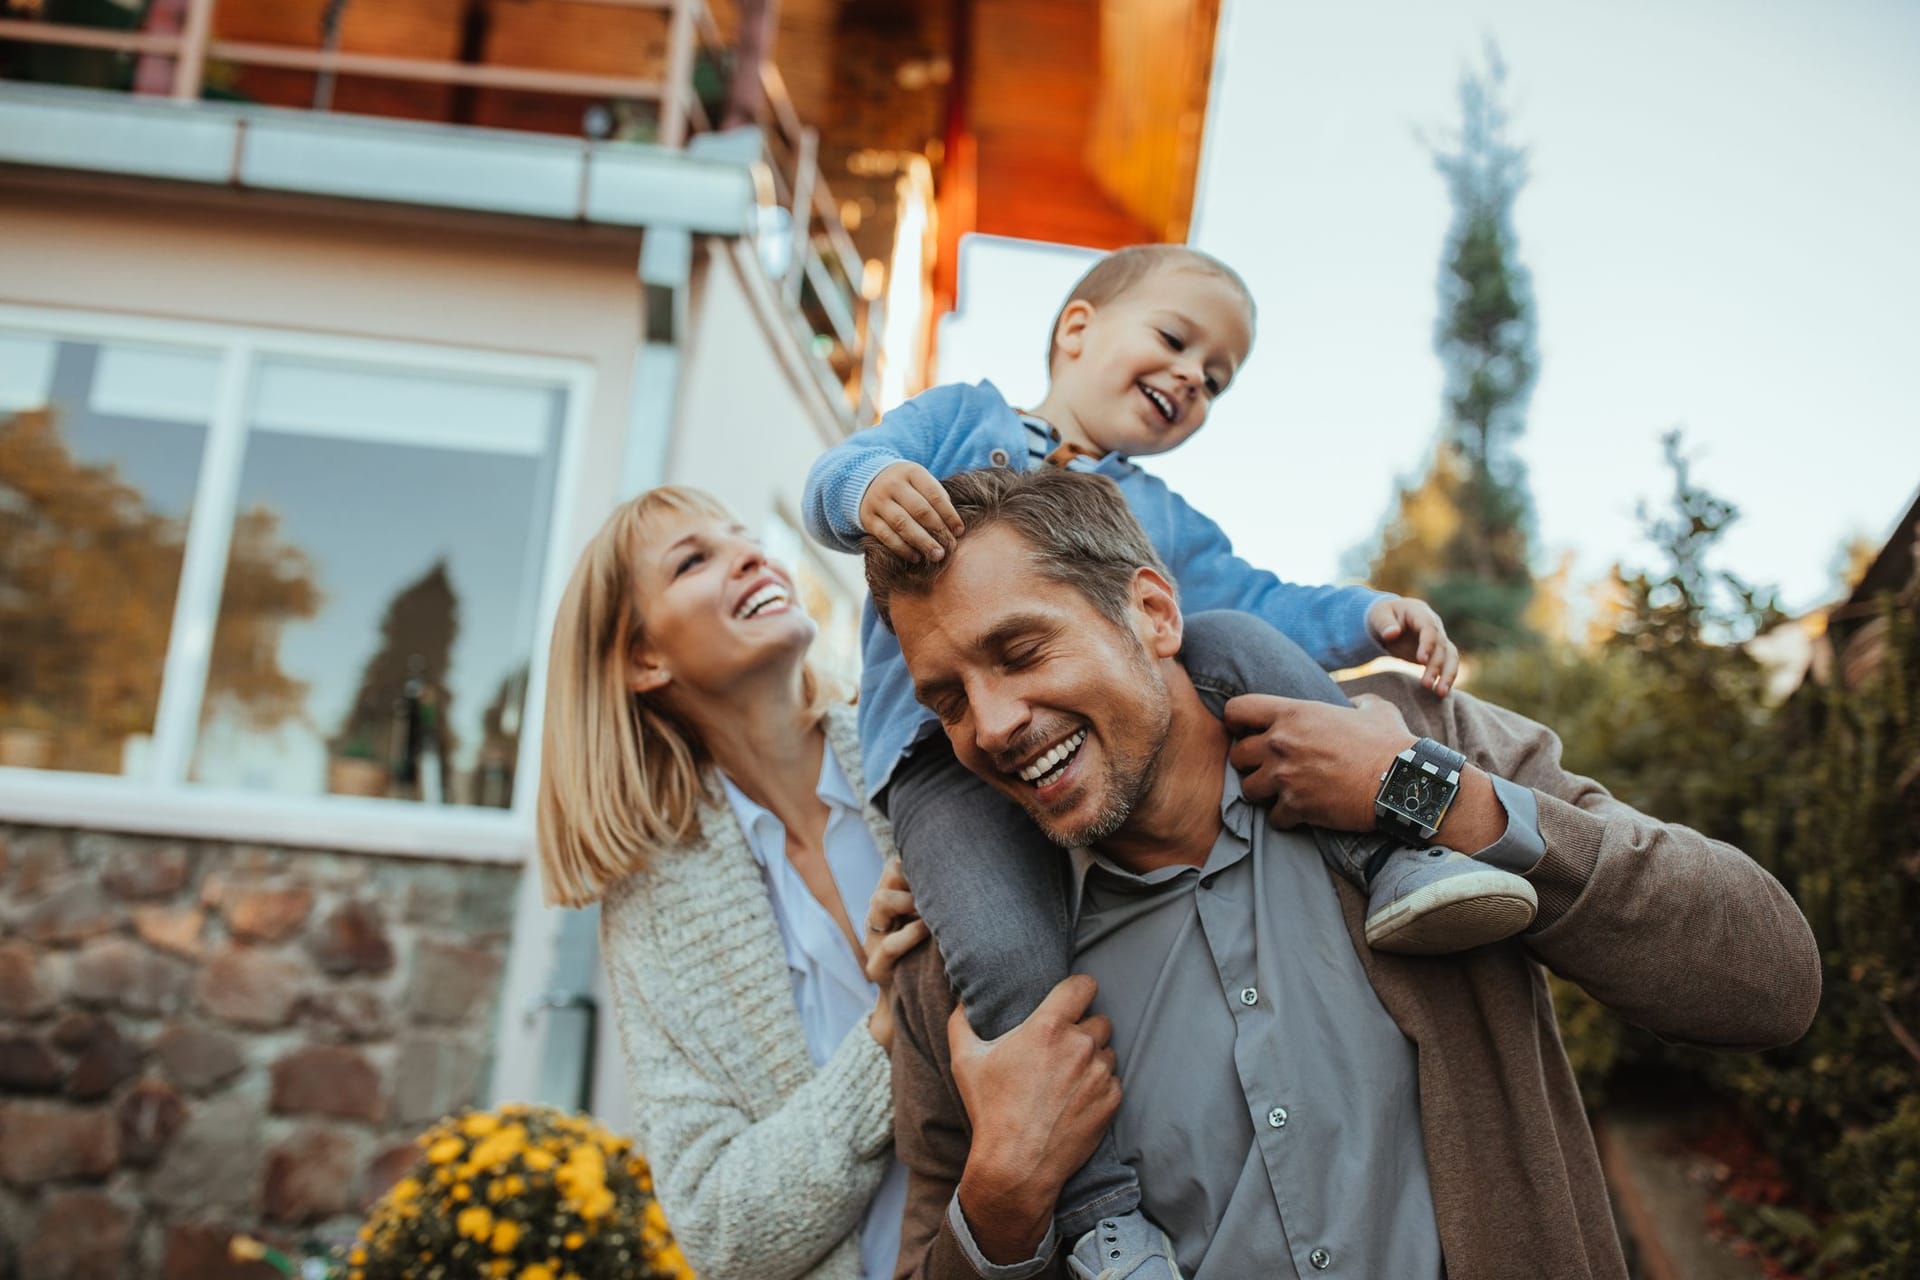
<point x="524" y="1193"/>
<point x="1825" y="793"/>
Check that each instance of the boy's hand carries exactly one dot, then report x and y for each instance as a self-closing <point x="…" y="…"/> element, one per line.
<point x="1412" y="631"/>
<point x="909" y="514"/>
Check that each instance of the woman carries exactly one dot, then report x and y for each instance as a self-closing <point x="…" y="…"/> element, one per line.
<point x="700" y="784"/>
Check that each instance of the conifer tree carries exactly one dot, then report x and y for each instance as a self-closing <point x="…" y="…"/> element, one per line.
<point x="1460" y="537"/>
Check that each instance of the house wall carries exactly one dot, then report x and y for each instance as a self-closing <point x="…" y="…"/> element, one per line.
<point x="199" y="1036"/>
<point x="236" y="259"/>
<point x="745" y="383"/>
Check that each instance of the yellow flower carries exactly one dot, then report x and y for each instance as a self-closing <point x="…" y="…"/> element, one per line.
<point x="539" y="1160"/>
<point x="357" y="1258"/>
<point x="445" y="1149"/>
<point x="505" y="1236"/>
<point x="536" y="1271"/>
<point x="574" y="1240"/>
<point x="479" y="1124"/>
<point x="475" y="1223"/>
<point x="462" y="1192"/>
<point x="515" y="1184"/>
<point x="245" y="1249"/>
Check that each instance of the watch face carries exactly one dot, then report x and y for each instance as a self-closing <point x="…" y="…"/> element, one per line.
<point x="1415" y="794"/>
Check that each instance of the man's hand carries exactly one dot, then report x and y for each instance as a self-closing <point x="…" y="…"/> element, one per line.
<point x="1318" y="763"/>
<point x="908" y="512"/>
<point x="1411" y="631"/>
<point x="1039" y="1097"/>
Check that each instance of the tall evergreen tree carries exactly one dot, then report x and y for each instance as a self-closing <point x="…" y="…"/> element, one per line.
<point x="1460" y="537"/>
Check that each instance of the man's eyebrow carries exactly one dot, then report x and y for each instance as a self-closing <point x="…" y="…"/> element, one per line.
<point x="1014" y="627"/>
<point x="927" y="692"/>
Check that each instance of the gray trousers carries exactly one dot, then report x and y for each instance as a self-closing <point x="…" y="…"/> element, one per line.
<point x="993" y="889"/>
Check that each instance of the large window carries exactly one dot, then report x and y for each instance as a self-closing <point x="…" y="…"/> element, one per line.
<point x="249" y="563"/>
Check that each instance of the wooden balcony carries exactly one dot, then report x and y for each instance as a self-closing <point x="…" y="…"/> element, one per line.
<point x="649" y="72"/>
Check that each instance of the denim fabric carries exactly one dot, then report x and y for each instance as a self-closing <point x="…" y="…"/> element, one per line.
<point x="960" y="427"/>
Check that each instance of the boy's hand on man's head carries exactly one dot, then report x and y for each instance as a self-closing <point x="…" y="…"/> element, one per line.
<point x="1411" y="631"/>
<point x="908" y="512"/>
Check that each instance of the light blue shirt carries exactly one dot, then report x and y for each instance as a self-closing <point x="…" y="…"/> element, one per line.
<point x="962" y="427"/>
<point x="829" y="987"/>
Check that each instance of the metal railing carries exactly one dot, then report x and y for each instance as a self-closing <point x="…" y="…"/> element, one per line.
<point x="820" y="272"/>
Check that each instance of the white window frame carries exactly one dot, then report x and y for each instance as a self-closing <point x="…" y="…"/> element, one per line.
<point x="168" y="803"/>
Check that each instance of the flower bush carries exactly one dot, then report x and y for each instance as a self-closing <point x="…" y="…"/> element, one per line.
<point x="519" y="1193"/>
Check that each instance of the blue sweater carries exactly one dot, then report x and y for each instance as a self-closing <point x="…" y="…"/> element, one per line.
<point x="958" y="428"/>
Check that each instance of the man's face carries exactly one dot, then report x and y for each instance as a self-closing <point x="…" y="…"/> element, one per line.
<point x="1039" y="692"/>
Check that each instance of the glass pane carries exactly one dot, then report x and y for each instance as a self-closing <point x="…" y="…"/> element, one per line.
<point x="380" y="596"/>
<point x="100" y="446"/>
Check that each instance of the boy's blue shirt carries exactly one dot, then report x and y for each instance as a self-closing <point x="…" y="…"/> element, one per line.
<point x="960" y="427"/>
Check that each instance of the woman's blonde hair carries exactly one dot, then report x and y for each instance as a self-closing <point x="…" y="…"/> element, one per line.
<point x="621" y="778"/>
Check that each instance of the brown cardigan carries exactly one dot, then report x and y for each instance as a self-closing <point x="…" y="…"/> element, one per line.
<point x="1683" y="935"/>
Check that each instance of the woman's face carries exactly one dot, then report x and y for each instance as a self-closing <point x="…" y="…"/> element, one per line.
<point x="713" y="608"/>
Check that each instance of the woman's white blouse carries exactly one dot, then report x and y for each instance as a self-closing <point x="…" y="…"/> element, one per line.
<point x="829" y="988"/>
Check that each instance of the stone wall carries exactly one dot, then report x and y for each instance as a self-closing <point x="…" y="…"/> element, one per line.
<point x="198" y="1038"/>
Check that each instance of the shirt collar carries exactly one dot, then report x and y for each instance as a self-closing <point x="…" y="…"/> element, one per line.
<point x="1067" y="453"/>
<point x="1237" y="816"/>
<point x="758" y="821"/>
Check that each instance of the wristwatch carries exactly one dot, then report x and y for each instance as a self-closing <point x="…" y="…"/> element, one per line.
<point x="1416" y="790"/>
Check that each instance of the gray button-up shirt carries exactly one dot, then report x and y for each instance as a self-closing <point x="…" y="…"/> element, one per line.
<point x="1269" y="1103"/>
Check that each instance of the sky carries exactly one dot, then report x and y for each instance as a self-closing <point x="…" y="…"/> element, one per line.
<point x="1723" y="228"/>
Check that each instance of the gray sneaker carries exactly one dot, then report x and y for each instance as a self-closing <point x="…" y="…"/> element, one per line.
<point x="1123" y="1247"/>
<point x="1427" y="902"/>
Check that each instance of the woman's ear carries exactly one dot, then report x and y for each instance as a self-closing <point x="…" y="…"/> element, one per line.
<point x="646" y="673"/>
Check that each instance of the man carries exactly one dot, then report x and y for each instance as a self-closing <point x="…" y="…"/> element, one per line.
<point x="1296" y="1103"/>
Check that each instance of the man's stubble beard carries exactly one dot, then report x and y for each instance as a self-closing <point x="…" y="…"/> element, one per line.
<point x="1125" y="783"/>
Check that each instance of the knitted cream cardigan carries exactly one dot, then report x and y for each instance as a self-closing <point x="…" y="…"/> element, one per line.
<point x="763" y="1165"/>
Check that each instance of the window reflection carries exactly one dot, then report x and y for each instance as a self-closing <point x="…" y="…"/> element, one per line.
<point x="380" y="597"/>
<point x="100" y="449"/>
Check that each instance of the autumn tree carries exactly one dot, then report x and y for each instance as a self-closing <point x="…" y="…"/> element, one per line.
<point x="88" y="577"/>
<point x="1460" y="536"/>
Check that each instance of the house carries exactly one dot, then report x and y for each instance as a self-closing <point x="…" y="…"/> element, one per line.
<point x="328" y="334"/>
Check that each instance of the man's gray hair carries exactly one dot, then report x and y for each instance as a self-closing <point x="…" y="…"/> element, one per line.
<point x="1080" y="530"/>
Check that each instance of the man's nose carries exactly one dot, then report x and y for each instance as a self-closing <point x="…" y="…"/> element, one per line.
<point x="998" y="720"/>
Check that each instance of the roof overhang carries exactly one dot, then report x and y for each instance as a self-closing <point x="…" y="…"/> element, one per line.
<point x="424" y="166"/>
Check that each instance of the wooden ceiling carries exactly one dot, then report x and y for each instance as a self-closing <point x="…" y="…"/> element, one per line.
<point x="1072" y="121"/>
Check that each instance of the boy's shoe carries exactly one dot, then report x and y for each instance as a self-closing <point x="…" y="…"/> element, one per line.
<point x="1425" y="902"/>
<point x="1123" y="1247"/>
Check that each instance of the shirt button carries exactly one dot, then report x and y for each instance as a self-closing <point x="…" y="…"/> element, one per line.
<point x="998" y="457"/>
<point x="1249" y="996"/>
<point x="1277" y="1117"/>
<point x="1320" y="1259"/>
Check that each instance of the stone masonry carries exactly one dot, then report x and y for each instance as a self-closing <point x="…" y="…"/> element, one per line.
<point x="199" y="1038"/>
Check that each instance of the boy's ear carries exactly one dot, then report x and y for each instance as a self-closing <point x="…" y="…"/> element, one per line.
<point x="1069" y="336"/>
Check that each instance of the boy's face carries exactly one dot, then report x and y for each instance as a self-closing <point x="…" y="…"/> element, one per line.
<point x="1141" y="372"/>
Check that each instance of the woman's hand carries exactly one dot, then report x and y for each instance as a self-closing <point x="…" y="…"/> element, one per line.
<point x="894" y="927"/>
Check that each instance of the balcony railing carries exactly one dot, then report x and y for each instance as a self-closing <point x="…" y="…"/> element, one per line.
<point x="833" y="294"/>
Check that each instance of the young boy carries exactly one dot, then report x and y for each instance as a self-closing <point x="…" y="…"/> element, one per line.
<point x="1147" y="340"/>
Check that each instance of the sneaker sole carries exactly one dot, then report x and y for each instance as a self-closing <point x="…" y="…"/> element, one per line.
<point x="1458" y="913"/>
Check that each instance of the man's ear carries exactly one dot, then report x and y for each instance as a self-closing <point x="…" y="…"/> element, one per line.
<point x="1157" y="606"/>
<point x="1070" y="335"/>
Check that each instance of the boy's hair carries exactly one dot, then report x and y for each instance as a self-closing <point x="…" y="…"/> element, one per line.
<point x="1122" y="269"/>
<point x="1078" y="526"/>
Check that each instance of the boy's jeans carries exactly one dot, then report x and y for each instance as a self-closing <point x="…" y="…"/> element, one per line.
<point x="993" y="889"/>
